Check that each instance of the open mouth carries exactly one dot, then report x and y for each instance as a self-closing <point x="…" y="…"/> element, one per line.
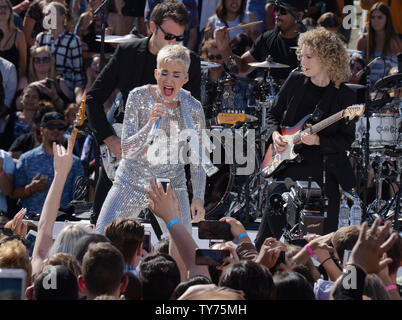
<point x="168" y="91"/>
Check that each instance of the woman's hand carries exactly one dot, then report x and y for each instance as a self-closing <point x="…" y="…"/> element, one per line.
<point x="163" y="204"/>
<point x="310" y="139"/>
<point x="197" y="210"/>
<point x="280" y="143"/>
<point x="158" y="111"/>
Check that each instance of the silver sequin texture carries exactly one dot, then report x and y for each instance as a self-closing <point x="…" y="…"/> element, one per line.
<point x="127" y="197"/>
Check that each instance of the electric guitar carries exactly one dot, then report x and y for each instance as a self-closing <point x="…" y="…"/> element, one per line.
<point x="79" y="120"/>
<point x="273" y="162"/>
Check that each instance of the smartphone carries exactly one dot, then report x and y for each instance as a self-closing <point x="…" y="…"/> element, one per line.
<point x="299" y="242"/>
<point x="210" y="257"/>
<point x="281" y="259"/>
<point x="12" y="284"/>
<point x="212" y="229"/>
<point x="147" y="241"/>
<point x="164" y="182"/>
<point x="31" y="238"/>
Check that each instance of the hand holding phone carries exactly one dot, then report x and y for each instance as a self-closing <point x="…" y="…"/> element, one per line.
<point x="212" y="229"/>
<point x="210" y="257"/>
<point x="164" y="182"/>
<point x="147" y="241"/>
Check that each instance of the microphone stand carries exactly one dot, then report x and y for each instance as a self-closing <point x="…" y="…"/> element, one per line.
<point x="101" y="9"/>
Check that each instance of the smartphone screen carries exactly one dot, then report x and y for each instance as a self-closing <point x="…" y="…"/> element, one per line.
<point x="31" y="238"/>
<point x="147" y="241"/>
<point x="12" y="284"/>
<point x="164" y="182"/>
<point x="210" y="257"/>
<point x="212" y="229"/>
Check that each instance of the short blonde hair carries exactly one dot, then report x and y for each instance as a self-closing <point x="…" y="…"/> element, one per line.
<point x="174" y="53"/>
<point x="330" y="49"/>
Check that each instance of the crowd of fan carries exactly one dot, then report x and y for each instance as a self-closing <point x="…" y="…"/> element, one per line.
<point x="44" y="76"/>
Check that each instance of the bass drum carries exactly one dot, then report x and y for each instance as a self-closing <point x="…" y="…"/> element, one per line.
<point x="219" y="187"/>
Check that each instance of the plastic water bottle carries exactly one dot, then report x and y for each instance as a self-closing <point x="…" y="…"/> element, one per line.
<point x="356" y="212"/>
<point x="344" y="213"/>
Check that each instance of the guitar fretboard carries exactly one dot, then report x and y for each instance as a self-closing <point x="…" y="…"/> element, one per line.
<point x="319" y="126"/>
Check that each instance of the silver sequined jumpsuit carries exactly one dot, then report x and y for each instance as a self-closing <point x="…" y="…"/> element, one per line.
<point x="127" y="197"/>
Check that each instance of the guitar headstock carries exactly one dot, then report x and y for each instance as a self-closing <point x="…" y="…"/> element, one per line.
<point x="80" y="115"/>
<point x="353" y="111"/>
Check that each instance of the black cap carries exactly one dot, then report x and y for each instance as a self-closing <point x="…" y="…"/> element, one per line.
<point x="301" y="5"/>
<point x="52" y="116"/>
<point x="56" y="283"/>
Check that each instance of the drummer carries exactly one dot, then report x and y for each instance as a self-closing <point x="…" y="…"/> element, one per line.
<point x="277" y="43"/>
<point x="211" y="99"/>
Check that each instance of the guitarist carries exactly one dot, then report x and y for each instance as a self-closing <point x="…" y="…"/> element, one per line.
<point x="132" y="66"/>
<point x="319" y="90"/>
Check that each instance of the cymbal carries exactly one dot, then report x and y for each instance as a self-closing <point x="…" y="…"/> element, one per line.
<point x="117" y="39"/>
<point x="267" y="64"/>
<point x="209" y="65"/>
<point x="389" y="82"/>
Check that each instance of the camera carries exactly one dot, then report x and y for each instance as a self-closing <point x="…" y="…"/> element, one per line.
<point x="301" y="203"/>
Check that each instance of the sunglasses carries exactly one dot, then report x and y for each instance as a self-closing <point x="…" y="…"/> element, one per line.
<point x="213" y="57"/>
<point x="169" y="36"/>
<point x="43" y="60"/>
<point x="280" y="9"/>
<point x="58" y="126"/>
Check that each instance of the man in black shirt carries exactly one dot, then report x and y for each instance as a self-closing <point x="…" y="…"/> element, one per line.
<point x="131" y="66"/>
<point x="277" y="43"/>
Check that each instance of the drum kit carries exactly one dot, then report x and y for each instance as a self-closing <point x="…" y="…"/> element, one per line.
<point x="228" y="194"/>
<point x="380" y="155"/>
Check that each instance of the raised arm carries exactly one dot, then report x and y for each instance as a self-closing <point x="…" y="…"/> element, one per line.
<point x="166" y="206"/>
<point x="63" y="160"/>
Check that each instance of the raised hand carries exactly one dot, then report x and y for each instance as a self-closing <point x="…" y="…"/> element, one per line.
<point x="368" y="252"/>
<point x="63" y="159"/>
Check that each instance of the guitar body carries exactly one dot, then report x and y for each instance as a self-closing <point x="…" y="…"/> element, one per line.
<point x="274" y="162"/>
<point x="109" y="160"/>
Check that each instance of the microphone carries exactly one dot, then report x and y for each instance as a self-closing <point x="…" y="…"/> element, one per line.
<point x="152" y="133"/>
<point x="289" y="183"/>
<point x="362" y="71"/>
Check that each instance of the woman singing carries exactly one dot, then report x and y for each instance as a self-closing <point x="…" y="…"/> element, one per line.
<point x="174" y="109"/>
<point x="319" y="90"/>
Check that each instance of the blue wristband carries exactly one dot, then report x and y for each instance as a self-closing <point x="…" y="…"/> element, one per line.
<point x="172" y="222"/>
<point x="241" y="235"/>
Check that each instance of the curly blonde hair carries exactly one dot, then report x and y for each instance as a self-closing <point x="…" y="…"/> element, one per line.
<point x="331" y="51"/>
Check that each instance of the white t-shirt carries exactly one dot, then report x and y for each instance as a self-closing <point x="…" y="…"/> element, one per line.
<point x="217" y="23"/>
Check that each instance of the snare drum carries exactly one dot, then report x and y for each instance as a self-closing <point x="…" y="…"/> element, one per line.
<point x="383" y="131"/>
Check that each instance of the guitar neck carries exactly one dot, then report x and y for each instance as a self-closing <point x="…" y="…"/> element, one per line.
<point x="74" y="136"/>
<point x="319" y="126"/>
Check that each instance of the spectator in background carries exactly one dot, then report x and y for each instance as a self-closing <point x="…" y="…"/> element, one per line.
<point x="6" y="179"/>
<point x="270" y="16"/>
<point x="67" y="239"/>
<point x="65" y="47"/>
<point x="35" y="171"/>
<point x="22" y="122"/>
<point x="380" y="41"/>
<point x="31" y="139"/>
<point x="89" y="26"/>
<point x="231" y="13"/>
<point x="395" y="7"/>
<point x="191" y="32"/>
<point x="42" y="72"/>
<point x="12" y="45"/>
<point x="9" y="86"/>
<point x="356" y="64"/>
<point x="330" y="21"/>
<point x="257" y="8"/>
<point x="33" y="20"/>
